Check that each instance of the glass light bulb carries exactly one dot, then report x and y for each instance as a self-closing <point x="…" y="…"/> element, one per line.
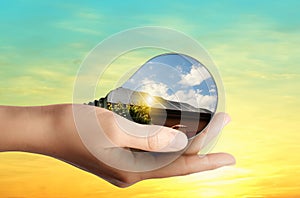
<point x="173" y="90"/>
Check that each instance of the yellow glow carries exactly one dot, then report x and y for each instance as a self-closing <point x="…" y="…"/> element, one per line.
<point x="263" y="136"/>
<point x="149" y="100"/>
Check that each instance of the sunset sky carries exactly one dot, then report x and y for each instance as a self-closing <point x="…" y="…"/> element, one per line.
<point x="255" y="45"/>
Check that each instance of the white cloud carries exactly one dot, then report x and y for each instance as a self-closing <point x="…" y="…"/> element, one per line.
<point x="212" y="90"/>
<point x="195" y="76"/>
<point x="192" y="97"/>
<point x="131" y="80"/>
<point x="195" y="99"/>
<point x="154" y="88"/>
<point x="89" y="15"/>
<point x="76" y="27"/>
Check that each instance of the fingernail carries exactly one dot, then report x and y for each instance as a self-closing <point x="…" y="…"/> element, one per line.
<point x="201" y="155"/>
<point x="227" y="119"/>
<point x="220" y="161"/>
<point x="228" y="161"/>
<point x="178" y="143"/>
<point x="225" y="162"/>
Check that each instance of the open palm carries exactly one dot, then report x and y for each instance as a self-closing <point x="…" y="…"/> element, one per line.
<point x="114" y="162"/>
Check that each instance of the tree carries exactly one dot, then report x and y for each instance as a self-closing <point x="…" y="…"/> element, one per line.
<point x="136" y="113"/>
<point x="140" y="114"/>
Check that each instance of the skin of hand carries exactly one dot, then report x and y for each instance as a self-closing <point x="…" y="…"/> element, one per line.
<point x="51" y="130"/>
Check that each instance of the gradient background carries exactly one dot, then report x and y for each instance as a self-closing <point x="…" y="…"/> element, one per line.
<point x="255" y="45"/>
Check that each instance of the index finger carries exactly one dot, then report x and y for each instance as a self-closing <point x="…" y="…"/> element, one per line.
<point x="188" y="164"/>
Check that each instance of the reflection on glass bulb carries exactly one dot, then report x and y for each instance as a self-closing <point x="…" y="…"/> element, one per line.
<point x="149" y="100"/>
<point x="172" y="90"/>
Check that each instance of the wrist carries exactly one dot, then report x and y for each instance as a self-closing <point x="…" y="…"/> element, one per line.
<point x="28" y="129"/>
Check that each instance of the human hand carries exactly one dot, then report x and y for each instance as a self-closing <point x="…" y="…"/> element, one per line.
<point x="51" y="130"/>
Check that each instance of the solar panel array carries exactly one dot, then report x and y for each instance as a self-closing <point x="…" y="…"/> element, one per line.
<point x="127" y="96"/>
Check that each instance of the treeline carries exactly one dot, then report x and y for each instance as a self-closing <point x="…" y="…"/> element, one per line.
<point x="136" y="113"/>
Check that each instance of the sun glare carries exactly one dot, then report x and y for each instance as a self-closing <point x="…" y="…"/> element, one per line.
<point x="149" y="100"/>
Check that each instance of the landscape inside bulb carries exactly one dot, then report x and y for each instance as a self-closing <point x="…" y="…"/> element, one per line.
<point x="172" y="90"/>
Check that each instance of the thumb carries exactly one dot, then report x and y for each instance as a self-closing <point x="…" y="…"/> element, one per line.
<point x="160" y="139"/>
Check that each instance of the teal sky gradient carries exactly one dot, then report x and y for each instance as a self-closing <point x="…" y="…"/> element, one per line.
<point x="254" y="43"/>
<point x="43" y="39"/>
